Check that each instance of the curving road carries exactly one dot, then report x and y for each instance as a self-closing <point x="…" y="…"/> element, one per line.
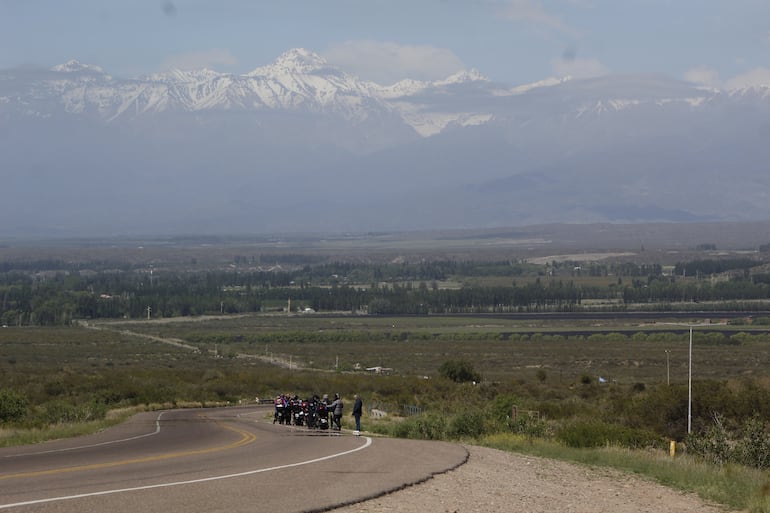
<point x="224" y="459"/>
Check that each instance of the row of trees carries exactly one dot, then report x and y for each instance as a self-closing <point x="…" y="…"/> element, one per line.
<point x="56" y="298"/>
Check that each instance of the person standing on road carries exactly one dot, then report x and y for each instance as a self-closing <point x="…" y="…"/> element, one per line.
<point x="358" y="407"/>
<point x="336" y="408"/>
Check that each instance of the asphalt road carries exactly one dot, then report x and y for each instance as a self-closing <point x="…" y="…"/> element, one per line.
<point x="211" y="460"/>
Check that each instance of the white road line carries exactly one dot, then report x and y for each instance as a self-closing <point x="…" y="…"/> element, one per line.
<point x="157" y="430"/>
<point x="192" y="481"/>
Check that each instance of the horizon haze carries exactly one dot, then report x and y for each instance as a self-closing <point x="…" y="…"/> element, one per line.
<point x="372" y="128"/>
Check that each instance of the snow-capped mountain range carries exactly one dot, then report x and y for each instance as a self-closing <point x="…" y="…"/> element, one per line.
<point x="302" y="145"/>
<point x="297" y="80"/>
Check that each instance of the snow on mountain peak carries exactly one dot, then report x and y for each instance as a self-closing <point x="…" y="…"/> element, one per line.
<point x="402" y="88"/>
<point x="549" y="82"/>
<point x="297" y="61"/>
<point x="300" y="79"/>
<point x="300" y="60"/>
<point x="462" y="77"/>
<point x="182" y="76"/>
<point x="74" y="66"/>
<point x="759" y="91"/>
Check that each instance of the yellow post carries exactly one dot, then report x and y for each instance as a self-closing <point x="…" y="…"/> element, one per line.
<point x="672" y="448"/>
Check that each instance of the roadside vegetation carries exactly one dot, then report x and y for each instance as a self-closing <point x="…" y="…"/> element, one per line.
<point x="81" y="350"/>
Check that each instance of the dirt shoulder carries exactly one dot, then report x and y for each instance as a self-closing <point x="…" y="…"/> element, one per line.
<point x="497" y="481"/>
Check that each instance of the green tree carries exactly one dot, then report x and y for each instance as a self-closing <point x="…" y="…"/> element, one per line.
<point x="459" y="371"/>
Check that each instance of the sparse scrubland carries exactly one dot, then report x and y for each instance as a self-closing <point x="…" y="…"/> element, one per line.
<point x="582" y="385"/>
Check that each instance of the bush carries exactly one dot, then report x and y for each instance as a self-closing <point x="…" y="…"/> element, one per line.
<point x="589" y="434"/>
<point x="717" y="445"/>
<point x="753" y="448"/>
<point x="500" y="408"/>
<point x="662" y="409"/>
<point x="531" y="427"/>
<point x="459" y="371"/>
<point x="63" y="412"/>
<point x="13" y="406"/>
<point x="429" y="426"/>
<point x="711" y="444"/>
<point x="468" y="424"/>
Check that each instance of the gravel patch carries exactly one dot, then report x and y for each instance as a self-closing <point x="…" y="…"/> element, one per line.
<point x="499" y="481"/>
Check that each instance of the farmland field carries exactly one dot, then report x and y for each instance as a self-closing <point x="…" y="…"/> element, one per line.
<point x="500" y="347"/>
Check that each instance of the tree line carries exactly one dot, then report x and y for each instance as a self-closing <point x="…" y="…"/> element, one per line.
<point x="29" y="296"/>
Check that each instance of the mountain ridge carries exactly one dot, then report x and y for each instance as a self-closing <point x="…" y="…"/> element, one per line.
<point x="300" y="145"/>
<point x="301" y="79"/>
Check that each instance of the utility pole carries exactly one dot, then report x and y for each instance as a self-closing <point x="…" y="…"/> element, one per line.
<point x="668" y="368"/>
<point x="149" y="310"/>
<point x="689" y="371"/>
<point x="689" y="389"/>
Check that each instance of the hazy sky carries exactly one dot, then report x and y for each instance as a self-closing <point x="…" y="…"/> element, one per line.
<point x="714" y="42"/>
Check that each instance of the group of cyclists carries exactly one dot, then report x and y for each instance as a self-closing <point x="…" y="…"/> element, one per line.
<point x="314" y="412"/>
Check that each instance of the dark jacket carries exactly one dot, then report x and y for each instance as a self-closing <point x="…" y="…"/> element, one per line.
<point x="358" y="408"/>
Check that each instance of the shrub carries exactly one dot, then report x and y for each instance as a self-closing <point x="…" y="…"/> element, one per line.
<point x="586" y="434"/>
<point x="711" y="444"/>
<point x="459" y="371"/>
<point x="531" y="426"/>
<point x="429" y="426"/>
<point x="500" y="408"/>
<point x="13" y="406"/>
<point x="63" y="412"/>
<point x="468" y="424"/>
<point x="662" y="409"/>
<point x="753" y="448"/>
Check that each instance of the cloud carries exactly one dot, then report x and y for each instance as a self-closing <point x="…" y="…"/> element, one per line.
<point x="755" y="77"/>
<point x="710" y="77"/>
<point x="198" y="60"/>
<point x="531" y="11"/>
<point x="570" y="65"/>
<point x="703" y="76"/>
<point x="387" y="63"/>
